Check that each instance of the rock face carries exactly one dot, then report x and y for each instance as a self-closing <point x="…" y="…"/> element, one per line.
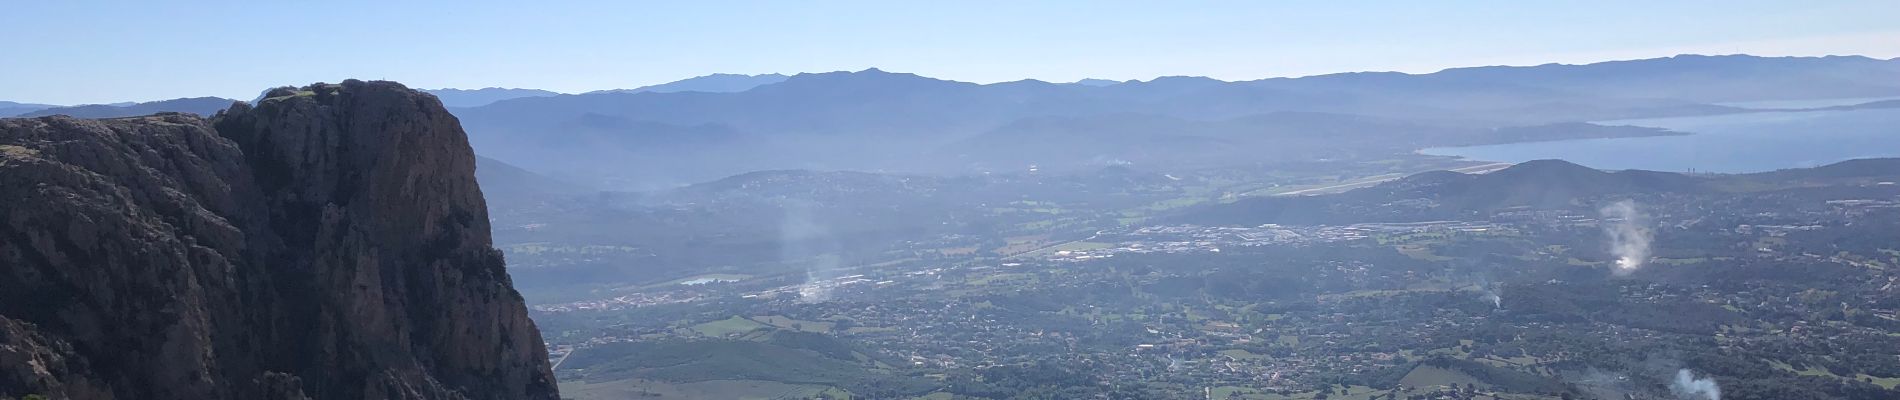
<point x="328" y="243"/>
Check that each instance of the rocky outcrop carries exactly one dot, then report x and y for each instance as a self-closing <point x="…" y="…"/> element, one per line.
<point x="329" y="242"/>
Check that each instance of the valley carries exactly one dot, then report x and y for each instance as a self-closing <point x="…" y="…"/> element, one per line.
<point x="1514" y="298"/>
<point x="1300" y="252"/>
<point x="744" y="237"/>
<point x="875" y="200"/>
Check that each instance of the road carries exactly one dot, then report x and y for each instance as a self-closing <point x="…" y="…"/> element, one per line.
<point x="1039" y="249"/>
<point x="570" y="353"/>
<point x="1378" y="179"/>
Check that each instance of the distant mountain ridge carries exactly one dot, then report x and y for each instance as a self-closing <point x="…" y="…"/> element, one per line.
<point x="203" y="106"/>
<point x="723" y="124"/>
<point x="1707" y="78"/>
<point x="714" y="83"/>
<point x="1094" y="82"/>
<point x="480" y="97"/>
<point x="8" y="108"/>
<point x="878" y="120"/>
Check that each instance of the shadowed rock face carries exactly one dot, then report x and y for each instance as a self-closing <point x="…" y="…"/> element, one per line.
<point x="328" y="243"/>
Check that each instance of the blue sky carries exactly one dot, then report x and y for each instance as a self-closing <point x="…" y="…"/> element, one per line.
<point x="79" y="51"/>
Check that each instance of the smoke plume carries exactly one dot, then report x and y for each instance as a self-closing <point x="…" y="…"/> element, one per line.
<point x="1491" y="292"/>
<point x="806" y="241"/>
<point x="1688" y="387"/>
<point x="1629" y="239"/>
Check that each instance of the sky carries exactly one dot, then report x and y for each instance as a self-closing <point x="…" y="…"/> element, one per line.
<point x="97" y="51"/>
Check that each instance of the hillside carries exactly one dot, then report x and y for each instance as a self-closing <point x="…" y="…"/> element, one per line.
<point x="508" y="187"/>
<point x="1535" y="185"/>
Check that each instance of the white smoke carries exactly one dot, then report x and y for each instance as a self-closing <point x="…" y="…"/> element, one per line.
<point x="1629" y="239"/>
<point x="819" y="279"/>
<point x="1491" y="292"/>
<point x="805" y="241"/>
<point x="1688" y="387"/>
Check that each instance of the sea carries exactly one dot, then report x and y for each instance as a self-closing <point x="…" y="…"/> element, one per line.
<point x="1729" y="143"/>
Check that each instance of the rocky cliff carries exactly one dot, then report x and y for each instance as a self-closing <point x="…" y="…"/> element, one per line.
<point x="329" y="242"/>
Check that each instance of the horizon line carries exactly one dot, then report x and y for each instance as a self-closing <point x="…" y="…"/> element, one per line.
<point x="878" y="69"/>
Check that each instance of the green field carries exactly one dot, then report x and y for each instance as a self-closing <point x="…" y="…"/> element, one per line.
<point x="1239" y="354"/>
<point x="1018" y="244"/>
<point x="1082" y="246"/>
<point x="1426" y="376"/>
<point x="728" y="326"/>
<point x="1420" y="252"/>
<point x="1071" y="246"/>
<point x="553" y="248"/>
<point x="716" y="389"/>
<point x="793" y="324"/>
<point x="1237" y="392"/>
<point x="805" y="360"/>
<point x="1000" y="278"/>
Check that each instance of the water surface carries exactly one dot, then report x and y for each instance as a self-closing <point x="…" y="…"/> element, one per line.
<point x="1750" y="142"/>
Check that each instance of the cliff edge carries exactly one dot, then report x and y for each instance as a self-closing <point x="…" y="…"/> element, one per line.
<point x="329" y="242"/>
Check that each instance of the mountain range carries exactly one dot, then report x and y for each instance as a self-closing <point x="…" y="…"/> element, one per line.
<point x="878" y="120"/>
<point x="714" y="83"/>
<point x="8" y="108"/>
<point x="719" y="125"/>
<point x="484" y="96"/>
<point x="204" y="106"/>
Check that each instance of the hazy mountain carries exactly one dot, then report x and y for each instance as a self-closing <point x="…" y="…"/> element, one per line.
<point x="1866" y="171"/>
<point x="1442" y="195"/>
<point x="203" y="106"/>
<point x="8" y="108"/>
<point x="1694" y="78"/>
<point x="877" y="120"/>
<point x="510" y="187"/>
<point x="669" y="154"/>
<point x="456" y="98"/>
<point x="815" y="121"/>
<point x="1094" y="82"/>
<point x="715" y="83"/>
<point x="1539" y="184"/>
<point x="1075" y="142"/>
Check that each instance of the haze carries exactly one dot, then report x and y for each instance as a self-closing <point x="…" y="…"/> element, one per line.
<point x="1102" y="200"/>
<point x="75" y="52"/>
